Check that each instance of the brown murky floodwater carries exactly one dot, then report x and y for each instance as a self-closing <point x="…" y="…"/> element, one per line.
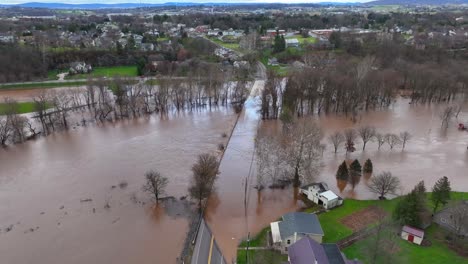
<point x="62" y="169"/>
<point x="42" y="184"/>
<point x="429" y="155"/>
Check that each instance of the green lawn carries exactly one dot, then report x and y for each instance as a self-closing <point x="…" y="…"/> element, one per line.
<point x="335" y="231"/>
<point x="233" y="46"/>
<point x="40" y="85"/>
<point x="23" y="108"/>
<point x="261" y="257"/>
<point x="302" y="40"/>
<point x="437" y="253"/>
<point x="259" y="240"/>
<point x="124" y="71"/>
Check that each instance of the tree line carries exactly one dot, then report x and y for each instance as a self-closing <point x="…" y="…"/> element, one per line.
<point x="120" y="98"/>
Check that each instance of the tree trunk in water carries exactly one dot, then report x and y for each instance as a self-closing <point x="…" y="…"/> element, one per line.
<point x="297" y="183"/>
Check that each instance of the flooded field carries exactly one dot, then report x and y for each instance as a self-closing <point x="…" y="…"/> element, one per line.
<point x="431" y="153"/>
<point x="75" y="197"/>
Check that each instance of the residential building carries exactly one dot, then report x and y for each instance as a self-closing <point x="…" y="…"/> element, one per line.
<point x="454" y="218"/>
<point x="320" y="194"/>
<point x="307" y="251"/>
<point x="293" y="227"/>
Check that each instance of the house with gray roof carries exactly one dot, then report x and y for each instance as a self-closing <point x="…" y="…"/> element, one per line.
<point x="307" y="251"/>
<point x="293" y="227"/>
<point x="454" y="218"/>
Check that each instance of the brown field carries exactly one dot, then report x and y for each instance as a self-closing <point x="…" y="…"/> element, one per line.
<point x="361" y="219"/>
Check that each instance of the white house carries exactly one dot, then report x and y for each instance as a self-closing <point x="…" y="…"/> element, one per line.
<point x="320" y="194"/>
<point x="412" y="234"/>
<point x="293" y="228"/>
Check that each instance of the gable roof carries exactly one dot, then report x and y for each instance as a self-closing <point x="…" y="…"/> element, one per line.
<point x="333" y="254"/>
<point x="329" y="195"/>
<point x="413" y="231"/>
<point x="298" y="222"/>
<point x="305" y="251"/>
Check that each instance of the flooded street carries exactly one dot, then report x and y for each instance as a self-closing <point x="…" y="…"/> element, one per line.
<point x="75" y="197"/>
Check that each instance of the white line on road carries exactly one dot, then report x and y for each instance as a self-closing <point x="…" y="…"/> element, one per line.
<point x="201" y="237"/>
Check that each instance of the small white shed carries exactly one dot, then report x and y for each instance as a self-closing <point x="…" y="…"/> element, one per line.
<point x="412" y="234"/>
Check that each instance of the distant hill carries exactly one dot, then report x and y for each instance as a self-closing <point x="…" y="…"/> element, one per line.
<point x="137" y="5"/>
<point x="417" y="2"/>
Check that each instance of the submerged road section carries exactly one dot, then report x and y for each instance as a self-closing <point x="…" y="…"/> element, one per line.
<point x="206" y="249"/>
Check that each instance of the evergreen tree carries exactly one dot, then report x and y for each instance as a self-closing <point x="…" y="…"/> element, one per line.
<point x="420" y="188"/>
<point x="368" y="167"/>
<point x="342" y="173"/>
<point x="279" y="44"/>
<point x="355" y="171"/>
<point x="440" y="192"/>
<point x="355" y="167"/>
<point x="407" y="210"/>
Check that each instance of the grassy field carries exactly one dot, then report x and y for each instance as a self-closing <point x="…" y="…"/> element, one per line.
<point x="406" y="252"/>
<point x="233" y="46"/>
<point x="127" y="71"/>
<point x="261" y="256"/>
<point x="40" y="85"/>
<point x="302" y="40"/>
<point x="23" y="108"/>
<point x="334" y="231"/>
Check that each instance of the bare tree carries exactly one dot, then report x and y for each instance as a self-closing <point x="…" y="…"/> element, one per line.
<point x="271" y="159"/>
<point x="350" y="136"/>
<point x="336" y="139"/>
<point x="204" y="174"/>
<point x="383" y="184"/>
<point x="155" y="184"/>
<point x="304" y="150"/>
<point x="392" y="140"/>
<point x="446" y="115"/>
<point x="5" y="131"/>
<point x="380" y="139"/>
<point x="366" y="133"/>
<point x="404" y="137"/>
<point x="459" y="216"/>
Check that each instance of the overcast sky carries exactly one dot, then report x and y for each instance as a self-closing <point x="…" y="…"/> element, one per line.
<point x="165" y="1"/>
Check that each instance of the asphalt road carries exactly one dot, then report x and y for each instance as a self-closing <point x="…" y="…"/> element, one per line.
<point x="206" y="250"/>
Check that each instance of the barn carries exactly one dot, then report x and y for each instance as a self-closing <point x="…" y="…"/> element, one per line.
<point x="412" y="234"/>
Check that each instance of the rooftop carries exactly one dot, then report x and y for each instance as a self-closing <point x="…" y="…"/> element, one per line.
<point x="298" y="222"/>
<point x="413" y="231"/>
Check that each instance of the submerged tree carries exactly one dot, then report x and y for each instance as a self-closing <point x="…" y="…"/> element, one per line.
<point x="155" y="184"/>
<point x="366" y="133"/>
<point x="204" y="174"/>
<point x="336" y="139"/>
<point x="380" y="139"/>
<point x="404" y="137"/>
<point x="392" y="140"/>
<point x="342" y="173"/>
<point x="355" y="171"/>
<point x="304" y="149"/>
<point x="350" y="136"/>
<point x="368" y="167"/>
